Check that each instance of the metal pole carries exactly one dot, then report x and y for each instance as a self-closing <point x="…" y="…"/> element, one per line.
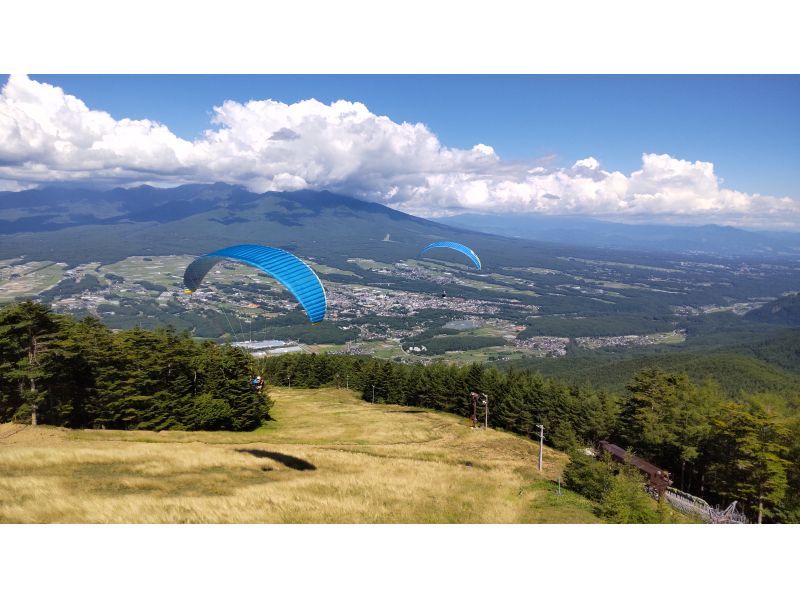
<point x="347" y="380"/>
<point x="289" y="380"/>
<point x="486" y="412"/>
<point x="373" y="393"/>
<point x="541" y="443"/>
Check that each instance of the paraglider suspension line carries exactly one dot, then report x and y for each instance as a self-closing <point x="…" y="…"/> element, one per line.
<point x="244" y="336"/>
<point x="229" y="324"/>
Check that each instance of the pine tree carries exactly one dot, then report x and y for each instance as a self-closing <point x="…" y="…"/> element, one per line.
<point x="28" y="333"/>
<point x="748" y="459"/>
<point x="791" y="504"/>
<point x="691" y="422"/>
<point x="646" y="411"/>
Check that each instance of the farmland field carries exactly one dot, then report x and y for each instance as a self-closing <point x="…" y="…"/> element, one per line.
<point x="27" y="278"/>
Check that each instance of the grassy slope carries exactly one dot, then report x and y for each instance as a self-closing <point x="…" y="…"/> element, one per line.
<point x="327" y="458"/>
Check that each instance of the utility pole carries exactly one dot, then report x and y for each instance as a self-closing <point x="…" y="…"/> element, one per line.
<point x="541" y="443"/>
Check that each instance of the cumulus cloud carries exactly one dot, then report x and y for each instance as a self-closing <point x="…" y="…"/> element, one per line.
<point x="48" y="136"/>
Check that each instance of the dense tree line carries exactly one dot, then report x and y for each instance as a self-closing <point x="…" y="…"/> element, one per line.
<point x="721" y="449"/>
<point x="61" y="371"/>
<point x="736" y="372"/>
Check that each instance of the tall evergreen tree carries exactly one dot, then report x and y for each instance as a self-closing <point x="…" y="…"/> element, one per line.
<point x="647" y="411"/>
<point x="28" y="334"/>
<point x="748" y="459"/>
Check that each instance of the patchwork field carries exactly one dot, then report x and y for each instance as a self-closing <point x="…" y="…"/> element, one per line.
<point x="327" y="457"/>
<point x="27" y="278"/>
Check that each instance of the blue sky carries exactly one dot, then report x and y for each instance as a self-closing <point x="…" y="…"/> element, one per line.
<point x="748" y="126"/>
<point x="668" y="149"/>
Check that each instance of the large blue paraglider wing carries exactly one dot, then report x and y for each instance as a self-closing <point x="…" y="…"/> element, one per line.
<point x="458" y="247"/>
<point x="289" y="270"/>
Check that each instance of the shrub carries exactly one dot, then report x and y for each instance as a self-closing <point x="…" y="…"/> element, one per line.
<point x="587" y="476"/>
<point x="626" y="501"/>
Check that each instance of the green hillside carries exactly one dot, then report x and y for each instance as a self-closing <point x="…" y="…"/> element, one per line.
<point x="781" y="312"/>
<point x="741" y="355"/>
<point x="735" y="372"/>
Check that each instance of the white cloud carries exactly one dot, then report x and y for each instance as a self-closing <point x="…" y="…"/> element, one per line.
<point x="48" y="136"/>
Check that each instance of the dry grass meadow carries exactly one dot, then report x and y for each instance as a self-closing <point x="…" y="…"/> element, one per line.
<point x="327" y="457"/>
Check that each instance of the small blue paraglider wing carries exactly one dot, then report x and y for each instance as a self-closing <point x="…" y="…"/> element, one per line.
<point x="294" y="274"/>
<point x="458" y="247"/>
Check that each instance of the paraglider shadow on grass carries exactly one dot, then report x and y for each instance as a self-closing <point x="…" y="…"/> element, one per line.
<point x="287" y="460"/>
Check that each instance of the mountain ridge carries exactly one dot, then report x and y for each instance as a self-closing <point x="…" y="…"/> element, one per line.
<point x="43" y="223"/>
<point x="708" y="238"/>
<point x="79" y="225"/>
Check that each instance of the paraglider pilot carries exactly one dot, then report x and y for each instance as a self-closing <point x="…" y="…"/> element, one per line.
<point x="257" y="383"/>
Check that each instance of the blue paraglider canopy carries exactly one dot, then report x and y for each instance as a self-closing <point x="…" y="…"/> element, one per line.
<point x="289" y="270"/>
<point x="458" y="247"/>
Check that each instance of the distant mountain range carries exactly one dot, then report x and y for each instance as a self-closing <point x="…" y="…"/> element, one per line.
<point x="80" y="225"/>
<point x="58" y="208"/>
<point x="76" y="225"/>
<point x="710" y="239"/>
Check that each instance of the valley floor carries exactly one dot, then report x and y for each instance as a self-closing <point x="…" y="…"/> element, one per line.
<point x="327" y="457"/>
